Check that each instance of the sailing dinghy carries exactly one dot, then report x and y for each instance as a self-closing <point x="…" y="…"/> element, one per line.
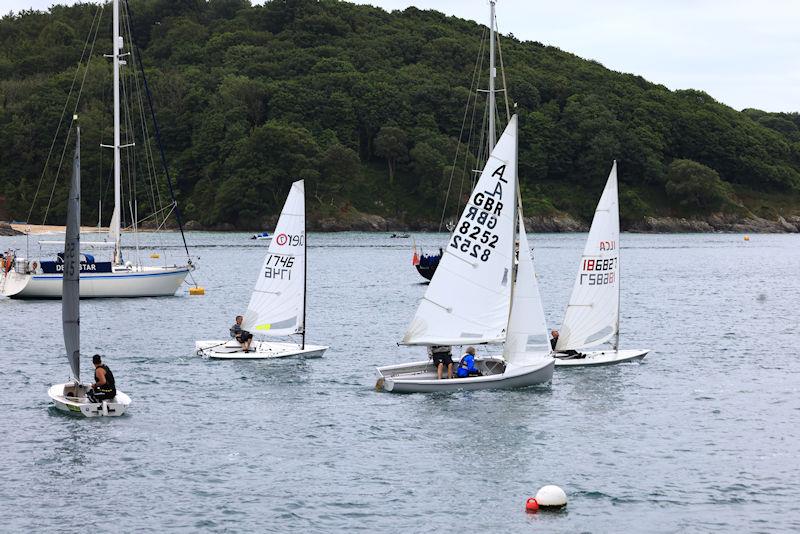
<point x="278" y="303"/>
<point x="480" y="294"/>
<point x="592" y="316"/>
<point x="71" y="397"/>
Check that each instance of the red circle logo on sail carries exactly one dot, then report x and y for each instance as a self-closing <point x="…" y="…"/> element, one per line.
<point x="281" y="239"/>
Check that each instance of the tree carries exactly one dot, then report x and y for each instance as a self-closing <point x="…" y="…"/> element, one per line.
<point x="695" y="185"/>
<point x="391" y="143"/>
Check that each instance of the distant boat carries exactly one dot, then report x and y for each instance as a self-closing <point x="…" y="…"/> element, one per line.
<point x="426" y="264"/>
<point x="592" y="316"/>
<point x="40" y="279"/>
<point x="263" y="236"/>
<point x="481" y="294"/>
<point x="278" y="303"/>
<point x="399" y="236"/>
<point x="71" y="396"/>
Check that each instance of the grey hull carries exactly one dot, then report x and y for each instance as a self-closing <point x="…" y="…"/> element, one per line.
<point x="425" y="383"/>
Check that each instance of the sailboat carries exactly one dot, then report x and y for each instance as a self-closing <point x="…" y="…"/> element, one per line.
<point x="592" y="316"/>
<point x="278" y="303"/>
<point x="71" y="396"/>
<point x="426" y="264"/>
<point x="42" y="279"/>
<point x="482" y="293"/>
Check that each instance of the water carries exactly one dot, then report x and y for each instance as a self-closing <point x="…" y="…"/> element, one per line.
<point x="703" y="436"/>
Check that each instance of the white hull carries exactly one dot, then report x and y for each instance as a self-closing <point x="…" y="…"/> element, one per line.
<point x="259" y="350"/>
<point x="603" y="357"/>
<point x="80" y="405"/>
<point x="421" y="377"/>
<point x="122" y="282"/>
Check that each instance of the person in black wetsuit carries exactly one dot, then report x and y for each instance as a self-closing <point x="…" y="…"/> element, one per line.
<point x="563" y="353"/>
<point x="242" y="336"/>
<point x="104" y="387"/>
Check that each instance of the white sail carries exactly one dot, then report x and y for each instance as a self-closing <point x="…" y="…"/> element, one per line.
<point x="592" y="316"/>
<point x="276" y="305"/>
<point x="527" y="339"/>
<point x="114" y="224"/>
<point x="70" y="288"/>
<point x="467" y="301"/>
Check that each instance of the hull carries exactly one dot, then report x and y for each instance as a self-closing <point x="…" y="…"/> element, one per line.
<point x="426" y="271"/>
<point x="80" y="404"/>
<point x="122" y="283"/>
<point x="259" y="350"/>
<point x="420" y="377"/>
<point x="603" y="357"/>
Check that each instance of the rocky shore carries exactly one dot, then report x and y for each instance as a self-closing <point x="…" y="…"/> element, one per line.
<point x="364" y="222"/>
<point x="6" y="230"/>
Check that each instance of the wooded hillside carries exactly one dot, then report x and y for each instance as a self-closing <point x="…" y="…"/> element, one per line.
<point x="367" y="107"/>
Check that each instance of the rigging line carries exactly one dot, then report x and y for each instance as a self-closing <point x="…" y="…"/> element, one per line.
<point x="61" y="120"/>
<point x="473" y="92"/>
<point x="148" y="150"/>
<point x="158" y="135"/>
<point x="503" y="74"/>
<point x="461" y="133"/>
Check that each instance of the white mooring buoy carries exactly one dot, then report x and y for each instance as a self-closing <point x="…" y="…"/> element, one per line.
<point x="551" y="497"/>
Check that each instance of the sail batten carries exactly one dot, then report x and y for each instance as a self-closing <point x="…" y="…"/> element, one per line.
<point x="276" y="303"/>
<point x="70" y="289"/>
<point x="592" y="314"/>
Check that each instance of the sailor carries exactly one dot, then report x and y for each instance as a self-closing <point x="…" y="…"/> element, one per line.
<point x="466" y="366"/>
<point x="553" y="339"/>
<point x="563" y="353"/>
<point x="104" y="387"/>
<point x="242" y="336"/>
<point x="441" y="356"/>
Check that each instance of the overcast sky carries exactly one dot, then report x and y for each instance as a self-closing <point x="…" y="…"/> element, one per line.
<point x="745" y="53"/>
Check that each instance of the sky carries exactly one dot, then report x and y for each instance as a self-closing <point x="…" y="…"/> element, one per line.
<point x="744" y="53"/>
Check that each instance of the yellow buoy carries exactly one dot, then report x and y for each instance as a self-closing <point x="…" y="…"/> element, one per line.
<point x="155" y="255"/>
<point x="747" y="238"/>
<point x="197" y="291"/>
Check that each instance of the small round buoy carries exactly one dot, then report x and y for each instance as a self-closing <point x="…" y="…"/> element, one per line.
<point x="197" y="291"/>
<point x="155" y="255"/>
<point x="551" y="497"/>
<point x="531" y="506"/>
<point x="747" y="238"/>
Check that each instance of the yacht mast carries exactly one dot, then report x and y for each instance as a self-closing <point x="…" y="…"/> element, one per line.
<point x="492" y="74"/>
<point x="117" y="47"/>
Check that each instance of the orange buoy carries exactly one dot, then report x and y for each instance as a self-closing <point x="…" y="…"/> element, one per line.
<point x="197" y="291"/>
<point x="747" y="238"/>
<point x="531" y="506"/>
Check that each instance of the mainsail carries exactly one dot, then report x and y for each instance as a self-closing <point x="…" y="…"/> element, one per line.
<point x="527" y="337"/>
<point x="276" y="305"/>
<point x="467" y="301"/>
<point x="592" y="316"/>
<point x="70" y="291"/>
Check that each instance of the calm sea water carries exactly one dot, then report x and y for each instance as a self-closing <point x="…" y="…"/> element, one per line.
<point x="702" y="436"/>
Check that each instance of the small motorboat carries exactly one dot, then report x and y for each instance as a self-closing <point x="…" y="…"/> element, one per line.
<point x="399" y="236"/>
<point x="263" y="236"/>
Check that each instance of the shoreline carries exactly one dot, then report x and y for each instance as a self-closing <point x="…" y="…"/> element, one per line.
<point x="716" y="223"/>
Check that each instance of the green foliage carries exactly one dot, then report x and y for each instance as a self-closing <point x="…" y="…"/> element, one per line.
<point x="251" y="97"/>
<point x="695" y="185"/>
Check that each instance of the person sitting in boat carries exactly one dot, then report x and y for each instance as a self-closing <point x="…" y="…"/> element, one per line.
<point x="466" y="366"/>
<point x="104" y="387"/>
<point x="242" y="336"/>
<point x="441" y="356"/>
<point x="562" y="353"/>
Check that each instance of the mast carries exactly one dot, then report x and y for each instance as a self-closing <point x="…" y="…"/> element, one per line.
<point x="619" y="291"/>
<point x="517" y="207"/>
<point x="117" y="46"/>
<point x="305" y="269"/>
<point x="492" y="73"/>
